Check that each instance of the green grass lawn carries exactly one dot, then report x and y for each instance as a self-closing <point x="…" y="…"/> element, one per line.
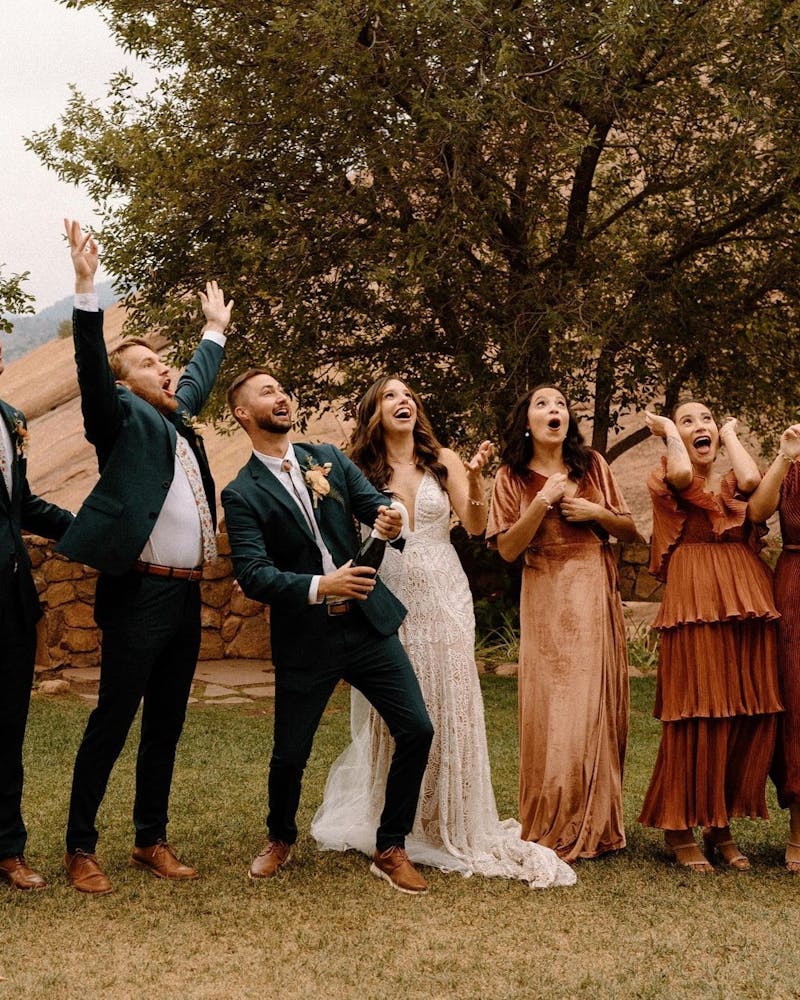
<point x="634" y="926"/>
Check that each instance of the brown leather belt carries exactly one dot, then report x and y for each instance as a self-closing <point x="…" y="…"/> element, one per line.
<point x="173" y="572"/>
<point x="340" y="608"/>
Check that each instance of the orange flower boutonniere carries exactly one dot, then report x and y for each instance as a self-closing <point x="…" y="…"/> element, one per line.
<point x="21" y="434"/>
<point x="316" y="477"/>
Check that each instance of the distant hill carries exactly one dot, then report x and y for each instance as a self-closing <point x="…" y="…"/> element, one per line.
<point x="31" y="331"/>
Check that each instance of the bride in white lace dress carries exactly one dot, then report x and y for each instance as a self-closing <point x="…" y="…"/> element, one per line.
<point x="457" y="827"/>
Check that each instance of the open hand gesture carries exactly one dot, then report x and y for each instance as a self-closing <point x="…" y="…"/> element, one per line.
<point x="475" y="465"/>
<point x="216" y="312"/>
<point x="83" y="251"/>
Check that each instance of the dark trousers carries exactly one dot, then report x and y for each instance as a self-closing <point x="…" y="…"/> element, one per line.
<point x="17" y="651"/>
<point x="379" y="668"/>
<point x="150" y="641"/>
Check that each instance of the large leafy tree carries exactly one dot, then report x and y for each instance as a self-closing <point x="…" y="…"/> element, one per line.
<point x="475" y="195"/>
<point x="13" y="299"/>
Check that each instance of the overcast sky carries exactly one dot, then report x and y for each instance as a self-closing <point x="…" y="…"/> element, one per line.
<point x="45" y="47"/>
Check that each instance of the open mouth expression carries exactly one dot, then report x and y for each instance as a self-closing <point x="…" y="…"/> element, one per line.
<point x="698" y="431"/>
<point x="548" y="416"/>
<point x="398" y="409"/>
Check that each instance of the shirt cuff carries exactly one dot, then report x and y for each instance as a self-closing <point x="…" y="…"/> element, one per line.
<point x="87" y="302"/>
<point x="216" y="336"/>
<point x="312" y="591"/>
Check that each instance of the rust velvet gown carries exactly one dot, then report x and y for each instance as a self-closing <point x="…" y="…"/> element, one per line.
<point x="573" y="670"/>
<point x="717" y="686"/>
<point x="786" y="768"/>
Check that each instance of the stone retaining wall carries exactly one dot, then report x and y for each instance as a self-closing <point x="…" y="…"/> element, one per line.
<point x="233" y="626"/>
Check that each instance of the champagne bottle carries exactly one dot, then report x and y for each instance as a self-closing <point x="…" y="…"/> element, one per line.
<point x="371" y="551"/>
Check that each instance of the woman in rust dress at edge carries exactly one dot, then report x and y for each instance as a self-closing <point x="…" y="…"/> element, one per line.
<point x="717" y="688"/>
<point x="556" y="502"/>
<point x="780" y="488"/>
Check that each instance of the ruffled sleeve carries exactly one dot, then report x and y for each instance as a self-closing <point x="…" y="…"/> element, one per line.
<point x="601" y="476"/>
<point x="506" y="505"/>
<point x="668" y="519"/>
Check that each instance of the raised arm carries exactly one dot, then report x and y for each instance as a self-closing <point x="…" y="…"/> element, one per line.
<point x="744" y="467"/>
<point x="764" y="502"/>
<point x="197" y="381"/>
<point x="466" y="488"/>
<point x="679" y="465"/>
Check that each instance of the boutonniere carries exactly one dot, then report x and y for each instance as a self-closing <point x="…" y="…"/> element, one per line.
<point x="316" y="477"/>
<point x="190" y="421"/>
<point x="21" y="432"/>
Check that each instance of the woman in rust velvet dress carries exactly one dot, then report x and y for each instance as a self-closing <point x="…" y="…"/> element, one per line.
<point x="717" y="687"/>
<point x="780" y="488"/>
<point x="557" y="502"/>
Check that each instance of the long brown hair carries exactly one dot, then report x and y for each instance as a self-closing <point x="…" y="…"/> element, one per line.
<point x="368" y="448"/>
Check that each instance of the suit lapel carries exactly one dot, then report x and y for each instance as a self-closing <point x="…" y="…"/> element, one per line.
<point x="305" y="460"/>
<point x="9" y="415"/>
<point x="267" y="481"/>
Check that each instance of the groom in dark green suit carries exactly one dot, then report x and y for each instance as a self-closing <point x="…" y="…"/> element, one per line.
<point x="19" y="612"/>
<point x="291" y="516"/>
<point x="148" y="525"/>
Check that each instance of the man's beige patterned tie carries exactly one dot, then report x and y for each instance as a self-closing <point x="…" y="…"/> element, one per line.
<point x="189" y="466"/>
<point x="5" y="464"/>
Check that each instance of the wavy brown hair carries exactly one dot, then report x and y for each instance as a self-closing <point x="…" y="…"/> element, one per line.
<point x="367" y="446"/>
<point x="518" y="445"/>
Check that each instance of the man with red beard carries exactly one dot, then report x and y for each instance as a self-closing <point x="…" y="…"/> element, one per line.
<point x="148" y="526"/>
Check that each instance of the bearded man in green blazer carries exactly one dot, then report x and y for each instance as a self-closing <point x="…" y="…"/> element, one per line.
<point x="19" y="611"/>
<point x="148" y="525"/>
<point x="291" y="516"/>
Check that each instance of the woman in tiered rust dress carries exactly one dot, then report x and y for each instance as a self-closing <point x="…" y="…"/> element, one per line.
<point x="557" y="502"/>
<point x="780" y="488"/>
<point x="717" y="689"/>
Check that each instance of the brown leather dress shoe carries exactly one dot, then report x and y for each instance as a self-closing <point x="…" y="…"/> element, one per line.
<point x="16" y="872"/>
<point x="273" y="856"/>
<point x="85" y="873"/>
<point x="162" y="861"/>
<point x="393" y="866"/>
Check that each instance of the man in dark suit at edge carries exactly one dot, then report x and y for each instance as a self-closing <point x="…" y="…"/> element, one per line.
<point x="148" y="525"/>
<point x="19" y="612"/>
<point x="290" y="517"/>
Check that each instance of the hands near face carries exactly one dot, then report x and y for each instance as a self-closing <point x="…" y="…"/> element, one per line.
<point x="216" y="312"/>
<point x="475" y="465"/>
<point x="659" y="426"/>
<point x="83" y="251"/>
<point x="790" y="442"/>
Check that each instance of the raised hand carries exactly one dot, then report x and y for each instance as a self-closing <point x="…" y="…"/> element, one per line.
<point x="475" y="465"/>
<point x="216" y="312"/>
<point x="659" y="426"/>
<point x="83" y="251"/>
<point x="790" y="442"/>
<point x="728" y="427"/>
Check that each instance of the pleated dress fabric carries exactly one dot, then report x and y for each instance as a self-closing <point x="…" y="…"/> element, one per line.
<point x="717" y="691"/>
<point x="573" y="671"/>
<point x="786" y="766"/>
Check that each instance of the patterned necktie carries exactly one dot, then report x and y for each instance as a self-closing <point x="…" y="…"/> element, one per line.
<point x="287" y="466"/>
<point x="189" y="466"/>
<point x="5" y="464"/>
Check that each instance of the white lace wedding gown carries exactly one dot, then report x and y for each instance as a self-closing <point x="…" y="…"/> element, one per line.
<point x="457" y="827"/>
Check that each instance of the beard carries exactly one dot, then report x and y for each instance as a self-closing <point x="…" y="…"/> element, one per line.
<point x="164" y="404"/>
<point x="274" y="425"/>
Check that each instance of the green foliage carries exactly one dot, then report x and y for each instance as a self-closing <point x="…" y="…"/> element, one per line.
<point x="474" y="196"/>
<point x="500" y="643"/>
<point x="13" y="299"/>
<point x="643" y="648"/>
<point x="64" y="329"/>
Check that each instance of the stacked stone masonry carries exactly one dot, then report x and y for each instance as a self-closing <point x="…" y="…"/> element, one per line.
<point x="234" y="627"/>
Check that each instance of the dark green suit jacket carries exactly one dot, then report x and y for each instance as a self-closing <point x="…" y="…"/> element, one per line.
<point x="275" y="554"/>
<point x="135" y="446"/>
<point x="23" y="511"/>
